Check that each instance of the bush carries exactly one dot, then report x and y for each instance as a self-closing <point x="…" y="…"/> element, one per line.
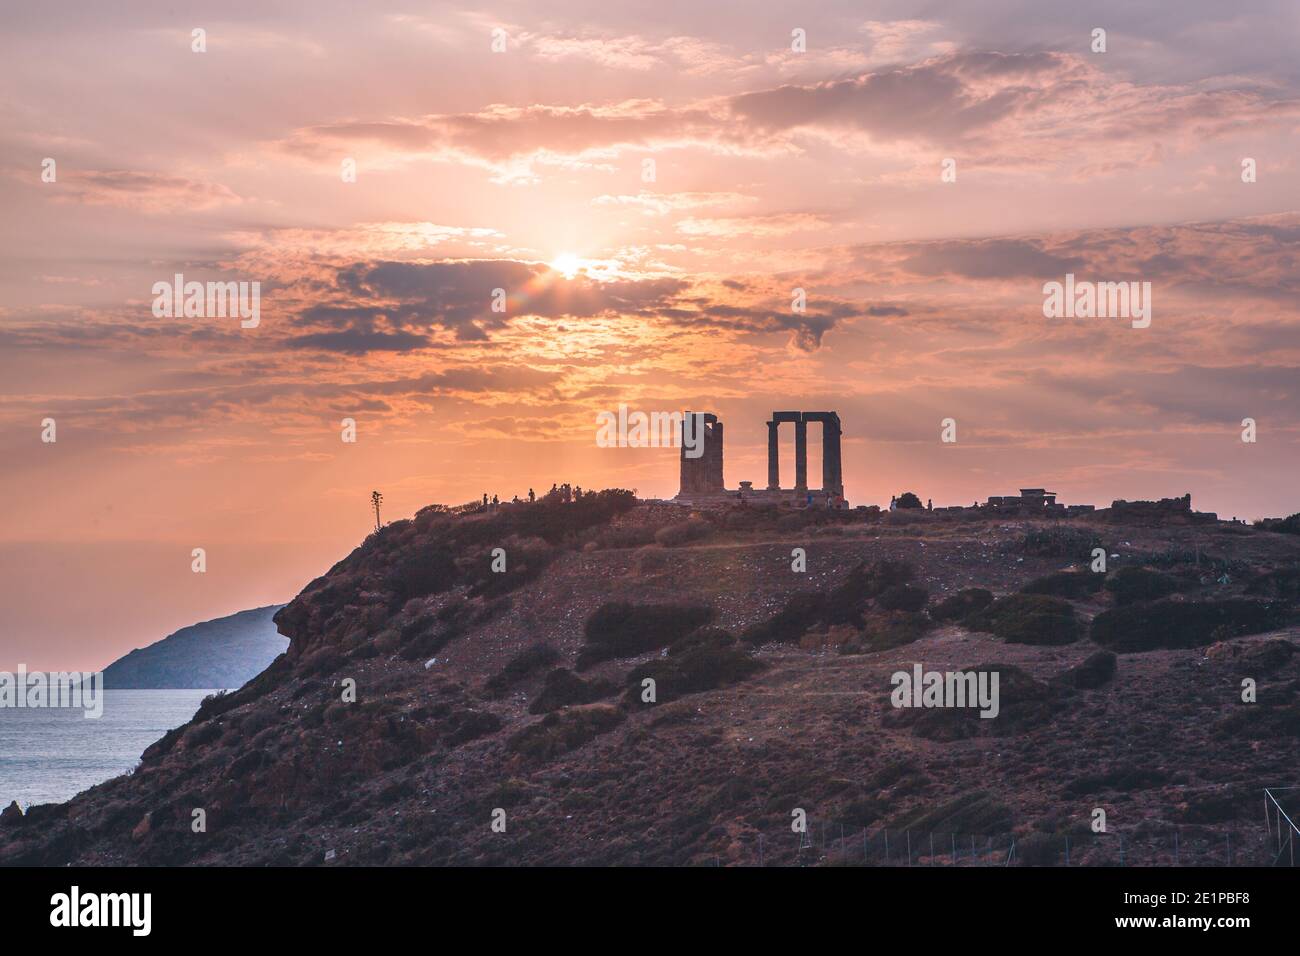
<point x="523" y="665"/>
<point x="962" y="604"/>
<point x="1028" y="619"/>
<point x="1130" y="585"/>
<point x="1092" y="673"/>
<point x="977" y="812"/>
<point x="1060" y="542"/>
<point x="1282" y="583"/>
<point x="903" y="597"/>
<point x="1123" y="779"/>
<point x="1024" y="703"/>
<point x="683" y="532"/>
<point x="430" y="569"/>
<point x="1289" y="525"/>
<point x="523" y="564"/>
<point x="702" y="667"/>
<point x="560" y="733"/>
<point x="621" y="629"/>
<point x="844" y="604"/>
<point x="909" y="500"/>
<point x="1181" y="624"/>
<point x="466" y="725"/>
<point x="887" y="631"/>
<point x="1076" y="585"/>
<point x="702" y="637"/>
<point x="563" y="687"/>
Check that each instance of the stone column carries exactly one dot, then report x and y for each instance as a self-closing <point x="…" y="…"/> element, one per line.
<point x="713" y="472"/>
<point x="832" y="471"/>
<point x="801" y="455"/>
<point x="773" y="456"/>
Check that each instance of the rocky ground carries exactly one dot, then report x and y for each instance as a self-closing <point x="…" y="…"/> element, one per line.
<point x="516" y="696"/>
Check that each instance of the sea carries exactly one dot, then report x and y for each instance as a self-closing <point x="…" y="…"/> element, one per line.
<point x="49" y="754"/>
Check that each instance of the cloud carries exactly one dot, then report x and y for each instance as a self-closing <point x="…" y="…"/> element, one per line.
<point x="1009" y="111"/>
<point x="777" y="224"/>
<point x="148" y="192"/>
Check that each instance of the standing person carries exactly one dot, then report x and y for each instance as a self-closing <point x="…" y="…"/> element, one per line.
<point x="532" y="496"/>
<point x="893" y="502"/>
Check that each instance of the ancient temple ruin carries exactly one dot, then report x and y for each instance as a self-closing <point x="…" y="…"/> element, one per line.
<point x="701" y="477"/>
<point x="832" y="474"/>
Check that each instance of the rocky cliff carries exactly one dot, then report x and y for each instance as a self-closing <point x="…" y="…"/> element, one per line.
<point x="609" y="682"/>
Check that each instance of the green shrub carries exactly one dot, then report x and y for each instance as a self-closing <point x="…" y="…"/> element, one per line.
<point x="692" y="671"/>
<point x="523" y="665"/>
<point x="1060" y="542"/>
<point x="1028" y="619"/>
<point x="702" y="637"/>
<point x="524" y="564"/>
<point x="621" y="629"/>
<point x="843" y="604"/>
<point x="1076" y="585"/>
<point x="430" y="569"/>
<point x="1289" y="525"/>
<point x="466" y="725"/>
<point x="1092" y="673"/>
<point x="683" y="532"/>
<point x="563" y="687"/>
<point x="903" y="597"/>
<point x="1122" y="779"/>
<point x="962" y="604"/>
<point x="1282" y="583"/>
<point x="1180" y="624"/>
<point x="977" y="812"/>
<point x="800" y="613"/>
<point x="560" y="733"/>
<point x="1130" y="585"/>
<point x="884" y="632"/>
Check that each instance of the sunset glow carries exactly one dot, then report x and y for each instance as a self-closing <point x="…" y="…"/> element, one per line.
<point x="650" y="188"/>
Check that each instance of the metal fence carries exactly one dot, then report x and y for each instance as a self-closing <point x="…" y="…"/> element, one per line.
<point x="1279" y="824"/>
<point x="837" y="844"/>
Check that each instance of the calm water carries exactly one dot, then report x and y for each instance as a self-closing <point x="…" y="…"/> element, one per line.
<point x="50" y="754"/>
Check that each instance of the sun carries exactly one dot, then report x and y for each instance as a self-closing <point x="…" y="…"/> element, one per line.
<point x="567" y="264"/>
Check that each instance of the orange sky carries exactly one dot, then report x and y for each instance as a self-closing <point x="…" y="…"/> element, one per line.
<point x="773" y="170"/>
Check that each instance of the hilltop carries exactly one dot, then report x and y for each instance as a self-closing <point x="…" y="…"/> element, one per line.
<point x="521" y="690"/>
<point x="225" y="652"/>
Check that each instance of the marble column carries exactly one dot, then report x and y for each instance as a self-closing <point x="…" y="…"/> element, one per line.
<point x="773" y="456"/>
<point x="801" y="455"/>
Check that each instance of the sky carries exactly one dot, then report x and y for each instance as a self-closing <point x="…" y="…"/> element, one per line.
<point x="649" y="184"/>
